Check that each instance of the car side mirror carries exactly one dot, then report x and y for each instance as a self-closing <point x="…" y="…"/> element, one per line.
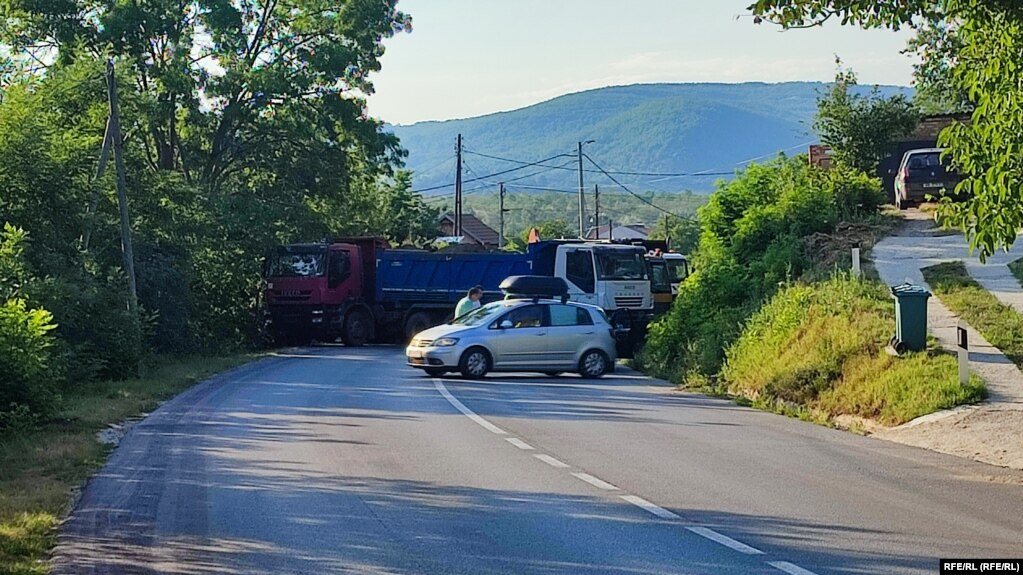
<point x="506" y="324"/>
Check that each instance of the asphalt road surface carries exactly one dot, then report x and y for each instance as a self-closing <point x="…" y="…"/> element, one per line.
<point x="335" y="460"/>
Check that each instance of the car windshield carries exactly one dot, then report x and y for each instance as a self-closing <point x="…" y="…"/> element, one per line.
<point x="480" y="315"/>
<point x="298" y="264"/>
<point x="621" y="264"/>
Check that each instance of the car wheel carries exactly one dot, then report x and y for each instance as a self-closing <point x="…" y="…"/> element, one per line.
<point x="475" y="362"/>
<point x="356" y="331"/>
<point x="416" y="323"/>
<point x="594" y="363"/>
<point x="435" y="372"/>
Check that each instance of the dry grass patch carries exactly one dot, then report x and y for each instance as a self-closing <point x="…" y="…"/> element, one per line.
<point x="40" y="467"/>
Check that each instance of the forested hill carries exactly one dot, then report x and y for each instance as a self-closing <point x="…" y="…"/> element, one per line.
<point x="660" y="128"/>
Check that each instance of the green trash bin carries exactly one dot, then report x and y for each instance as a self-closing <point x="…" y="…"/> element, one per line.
<point x="910" y="317"/>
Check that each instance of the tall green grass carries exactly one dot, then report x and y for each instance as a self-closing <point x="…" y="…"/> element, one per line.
<point x="819" y="348"/>
<point x="1001" y="325"/>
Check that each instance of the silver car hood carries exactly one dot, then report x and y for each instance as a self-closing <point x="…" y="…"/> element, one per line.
<point x="445" y="330"/>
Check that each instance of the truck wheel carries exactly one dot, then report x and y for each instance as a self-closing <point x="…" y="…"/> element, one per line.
<point x="416" y="323"/>
<point x="356" y="331"/>
<point x="593" y="364"/>
<point x="475" y="363"/>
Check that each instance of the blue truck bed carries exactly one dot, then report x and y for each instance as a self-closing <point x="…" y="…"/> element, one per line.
<point x="428" y="277"/>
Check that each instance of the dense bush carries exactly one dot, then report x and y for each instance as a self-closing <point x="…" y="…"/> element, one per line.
<point x="29" y="375"/>
<point x="751" y="243"/>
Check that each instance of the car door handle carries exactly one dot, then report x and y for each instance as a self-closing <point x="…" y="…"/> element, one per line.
<point x="540" y="334"/>
<point x="589" y="332"/>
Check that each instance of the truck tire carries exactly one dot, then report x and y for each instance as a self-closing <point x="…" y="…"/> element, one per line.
<point x="416" y="323"/>
<point x="356" y="330"/>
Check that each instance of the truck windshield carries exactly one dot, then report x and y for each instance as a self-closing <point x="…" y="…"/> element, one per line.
<point x="298" y="264"/>
<point x="659" y="280"/>
<point x="678" y="270"/>
<point x="621" y="264"/>
<point x="480" y="315"/>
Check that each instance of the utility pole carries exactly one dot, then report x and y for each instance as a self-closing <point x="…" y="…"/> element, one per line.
<point x="458" y="187"/>
<point x="500" y="237"/>
<point x="122" y="195"/>
<point x="582" y="201"/>
<point x="596" y="209"/>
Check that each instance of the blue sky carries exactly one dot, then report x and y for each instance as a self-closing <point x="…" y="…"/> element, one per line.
<point x="471" y="57"/>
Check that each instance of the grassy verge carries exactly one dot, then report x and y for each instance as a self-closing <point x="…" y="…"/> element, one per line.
<point x="1016" y="268"/>
<point x="40" y="466"/>
<point x="815" y="351"/>
<point x="998" y="323"/>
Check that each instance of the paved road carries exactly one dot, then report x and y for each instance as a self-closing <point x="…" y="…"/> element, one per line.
<point x="332" y="460"/>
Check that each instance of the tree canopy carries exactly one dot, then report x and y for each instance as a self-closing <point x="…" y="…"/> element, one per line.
<point x="981" y="64"/>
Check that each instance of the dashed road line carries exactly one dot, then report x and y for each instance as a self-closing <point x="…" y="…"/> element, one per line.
<point x="789" y="568"/>
<point x="519" y="443"/>
<point x="551" y="461"/>
<point x="598" y="483"/>
<point x="650" y="507"/>
<point x="656" y="510"/>
<point x="466" y="411"/>
<point x="725" y="540"/>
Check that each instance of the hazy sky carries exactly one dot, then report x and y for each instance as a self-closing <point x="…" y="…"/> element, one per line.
<point x="471" y="57"/>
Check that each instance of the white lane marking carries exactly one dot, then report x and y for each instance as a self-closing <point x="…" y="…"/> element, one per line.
<point x="598" y="483"/>
<point x="465" y="410"/>
<point x="650" y="507"/>
<point x="519" y="443"/>
<point x="789" y="568"/>
<point x="724" y="540"/>
<point x="551" y="461"/>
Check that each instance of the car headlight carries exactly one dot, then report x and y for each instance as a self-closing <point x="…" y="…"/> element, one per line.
<point x="445" y="342"/>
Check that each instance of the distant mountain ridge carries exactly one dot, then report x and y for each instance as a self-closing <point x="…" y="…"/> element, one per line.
<point x="665" y="129"/>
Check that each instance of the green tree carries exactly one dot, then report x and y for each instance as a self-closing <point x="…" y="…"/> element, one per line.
<point x="989" y="36"/>
<point x="937" y="46"/>
<point x="682" y="233"/>
<point x="860" y="129"/>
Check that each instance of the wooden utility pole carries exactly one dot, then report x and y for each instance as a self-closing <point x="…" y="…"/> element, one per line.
<point x="596" y="209"/>
<point x="500" y="237"/>
<point x="114" y="133"/>
<point x="458" y="187"/>
<point x="90" y="214"/>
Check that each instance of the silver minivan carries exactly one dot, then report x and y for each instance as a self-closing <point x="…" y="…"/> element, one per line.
<point x="543" y="335"/>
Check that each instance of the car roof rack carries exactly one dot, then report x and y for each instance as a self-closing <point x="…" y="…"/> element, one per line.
<point x="535" y="288"/>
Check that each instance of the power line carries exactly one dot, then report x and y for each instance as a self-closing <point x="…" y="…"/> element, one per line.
<point x="620" y="173"/>
<point x="501" y="173"/>
<point x="637" y="196"/>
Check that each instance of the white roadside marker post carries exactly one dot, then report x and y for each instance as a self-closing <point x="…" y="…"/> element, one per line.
<point x="856" y="262"/>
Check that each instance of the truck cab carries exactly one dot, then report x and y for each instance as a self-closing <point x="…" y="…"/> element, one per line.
<point x="609" y="276"/>
<point x="315" y="291"/>
<point x="678" y="269"/>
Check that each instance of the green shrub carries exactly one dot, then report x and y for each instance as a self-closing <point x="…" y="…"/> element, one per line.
<point x="27" y="379"/>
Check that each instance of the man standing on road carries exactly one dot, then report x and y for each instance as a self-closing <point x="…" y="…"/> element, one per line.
<point x="469" y="302"/>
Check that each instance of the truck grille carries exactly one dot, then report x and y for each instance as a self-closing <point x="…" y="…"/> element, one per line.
<point x="291" y="296"/>
<point x="635" y="302"/>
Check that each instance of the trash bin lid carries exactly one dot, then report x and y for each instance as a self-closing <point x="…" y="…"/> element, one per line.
<point x="909" y="290"/>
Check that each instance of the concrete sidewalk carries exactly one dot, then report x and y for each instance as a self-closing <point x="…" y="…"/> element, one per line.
<point x="991" y="431"/>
